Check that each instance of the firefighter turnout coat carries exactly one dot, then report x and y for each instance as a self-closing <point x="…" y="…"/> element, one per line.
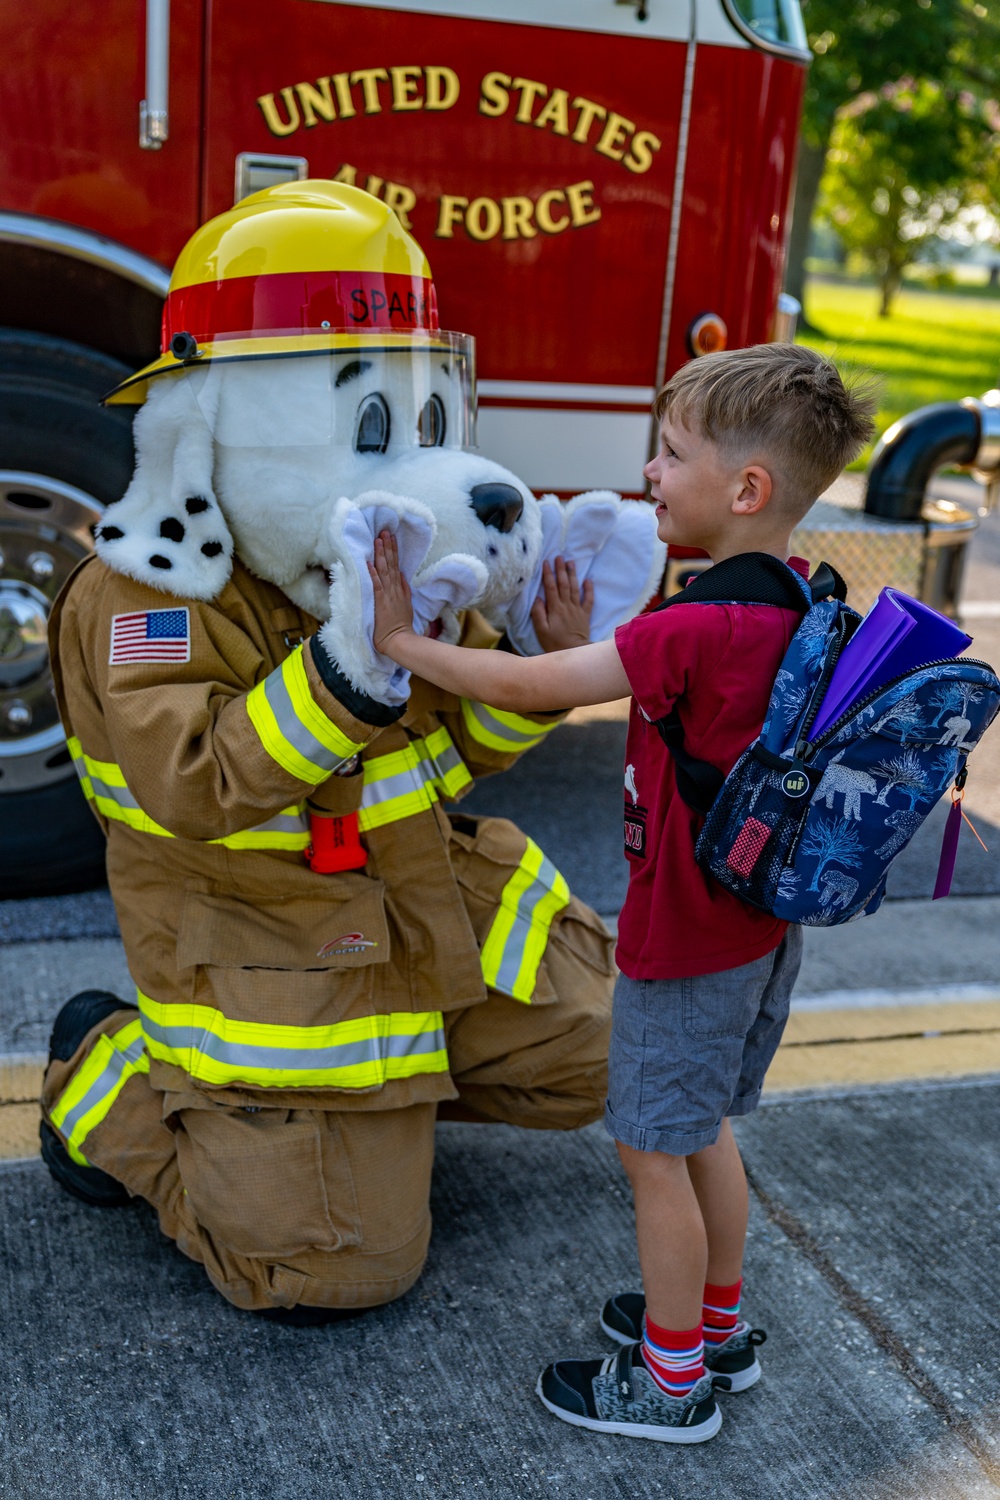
<point x="275" y="1091"/>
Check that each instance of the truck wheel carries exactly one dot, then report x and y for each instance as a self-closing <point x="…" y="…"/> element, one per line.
<point x="62" y="459"/>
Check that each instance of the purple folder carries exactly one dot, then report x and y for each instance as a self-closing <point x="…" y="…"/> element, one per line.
<point x="897" y="634"/>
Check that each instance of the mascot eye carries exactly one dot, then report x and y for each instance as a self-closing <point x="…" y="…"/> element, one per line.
<point x="431" y="423"/>
<point x="372" y="432"/>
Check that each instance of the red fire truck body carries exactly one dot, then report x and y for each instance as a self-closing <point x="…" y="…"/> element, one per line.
<point x="588" y="179"/>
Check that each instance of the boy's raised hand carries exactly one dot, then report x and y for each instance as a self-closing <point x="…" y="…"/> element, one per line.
<point x="393" y="605"/>
<point x="561" y="613"/>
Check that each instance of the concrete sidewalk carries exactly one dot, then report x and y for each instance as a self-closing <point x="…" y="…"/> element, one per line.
<point x="125" y="1377"/>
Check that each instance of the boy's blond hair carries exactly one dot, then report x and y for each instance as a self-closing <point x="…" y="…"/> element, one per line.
<point x="782" y="405"/>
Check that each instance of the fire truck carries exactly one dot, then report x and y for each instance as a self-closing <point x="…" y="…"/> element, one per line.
<point x="601" y="187"/>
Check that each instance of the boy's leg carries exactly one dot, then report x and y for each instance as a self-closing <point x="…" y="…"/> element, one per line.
<point x="671" y="1236"/>
<point x="720" y="1185"/>
<point x="716" y="1171"/>
<point x="691" y="1224"/>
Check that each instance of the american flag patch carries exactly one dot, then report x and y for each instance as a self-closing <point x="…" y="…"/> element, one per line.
<point x="150" y="635"/>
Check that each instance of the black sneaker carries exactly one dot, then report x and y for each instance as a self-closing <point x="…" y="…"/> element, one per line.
<point x="618" y="1394"/>
<point x="622" y="1319"/>
<point x="78" y="1016"/>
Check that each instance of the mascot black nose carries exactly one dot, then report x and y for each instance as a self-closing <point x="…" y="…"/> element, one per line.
<point x="497" y="504"/>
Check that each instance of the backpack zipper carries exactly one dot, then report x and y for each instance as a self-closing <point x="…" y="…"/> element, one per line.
<point x="802" y="748"/>
<point x="809" y="748"/>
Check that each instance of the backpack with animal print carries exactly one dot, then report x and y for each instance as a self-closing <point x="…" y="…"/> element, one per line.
<point x="806" y="828"/>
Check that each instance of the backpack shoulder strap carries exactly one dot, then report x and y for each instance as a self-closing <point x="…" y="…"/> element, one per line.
<point x="750" y="578"/>
<point x="760" y="578"/>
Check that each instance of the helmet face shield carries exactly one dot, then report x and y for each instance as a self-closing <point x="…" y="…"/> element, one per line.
<point x="368" y="393"/>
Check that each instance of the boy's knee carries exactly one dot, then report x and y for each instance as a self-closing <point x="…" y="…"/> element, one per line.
<point x="650" y="1166"/>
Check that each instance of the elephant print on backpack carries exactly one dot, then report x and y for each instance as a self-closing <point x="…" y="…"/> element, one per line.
<point x="851" y="784"/>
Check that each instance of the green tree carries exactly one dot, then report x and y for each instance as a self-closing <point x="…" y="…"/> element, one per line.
<point x="859" y="47"/>
<point x="897" y="173"/>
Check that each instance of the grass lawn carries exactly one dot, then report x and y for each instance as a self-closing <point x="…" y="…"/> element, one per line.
<point x="935" y="346"/>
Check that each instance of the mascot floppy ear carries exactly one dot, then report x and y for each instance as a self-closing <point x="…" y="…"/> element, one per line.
<point x="167" y="529"/>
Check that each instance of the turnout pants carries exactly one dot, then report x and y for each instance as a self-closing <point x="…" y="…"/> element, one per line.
<point x="328" y="1207"/>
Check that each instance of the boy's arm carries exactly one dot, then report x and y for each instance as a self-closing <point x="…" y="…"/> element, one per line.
<point x="562" y="679"/>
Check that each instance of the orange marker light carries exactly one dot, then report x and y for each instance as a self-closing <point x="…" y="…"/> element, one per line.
<point x="707" y="334"/>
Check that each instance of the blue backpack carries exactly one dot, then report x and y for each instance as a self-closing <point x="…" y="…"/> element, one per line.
<point x="806" y="829"/>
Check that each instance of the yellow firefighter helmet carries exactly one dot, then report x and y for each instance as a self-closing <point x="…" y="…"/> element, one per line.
<point x="304" y="267"/>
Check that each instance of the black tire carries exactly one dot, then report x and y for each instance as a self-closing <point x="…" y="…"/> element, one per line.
<point x="52" y="424"/>
<point x="51" y="419"/>
<point x="50" y="842"/>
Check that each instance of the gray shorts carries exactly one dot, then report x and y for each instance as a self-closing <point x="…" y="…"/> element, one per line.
<point x="686" y="1052"/>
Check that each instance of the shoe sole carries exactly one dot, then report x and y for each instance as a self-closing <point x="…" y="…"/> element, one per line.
<point x="741" y="1380"/>
<point x="699" y="1434"/>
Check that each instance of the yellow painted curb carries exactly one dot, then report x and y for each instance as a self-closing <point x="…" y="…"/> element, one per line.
<point x="20" y="1086"/>
<point x="887" y="1044"/>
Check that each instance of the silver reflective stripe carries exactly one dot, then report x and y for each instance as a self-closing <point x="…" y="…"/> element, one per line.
<point x="448" y="760"/>
<point x="245" y="1055"/>
<point x="284" y="822"/>
<point x="292" y="727"/>
<point x="103" y="1084"/>
<point x="493" y="725"/>
<point x="517" y="939"/>
<point x="119" y="794"/>
<point x="413" y="779"/>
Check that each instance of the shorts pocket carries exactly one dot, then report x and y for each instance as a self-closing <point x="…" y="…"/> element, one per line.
<point x="268" y="1183"/>
<point x="725" y="1004"/>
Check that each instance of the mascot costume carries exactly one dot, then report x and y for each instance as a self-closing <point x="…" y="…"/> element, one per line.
<point x="326" y="961"/>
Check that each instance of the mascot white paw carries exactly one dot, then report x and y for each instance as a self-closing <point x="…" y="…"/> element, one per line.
<point x="440" y="589"/>
<point x="612" y="542"/>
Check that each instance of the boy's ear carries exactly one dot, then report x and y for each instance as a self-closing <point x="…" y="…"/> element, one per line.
<point x="755" y="492"/>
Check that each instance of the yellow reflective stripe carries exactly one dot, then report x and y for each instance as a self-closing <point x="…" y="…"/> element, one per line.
<point x="76" y="751"/>
<point x="111" y="796"/>
<point x="450" y="772"/>
<point x="405" y="782"/>
<point x="251" y="839"/>
<point x="96" y="1084"/>
<point x="498" y="729"/>
<point x="516" y="941"/>
<point x="420" y="800"/>
<point x="293" y="670"/>
<point x="363" y="1053"/>
<point x="104" y="784"/>
<point x="289" y="829"/>
<point x="292" y="727"/>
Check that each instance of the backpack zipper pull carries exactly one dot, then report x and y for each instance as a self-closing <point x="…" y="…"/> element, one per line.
<point x="949" y="843"/>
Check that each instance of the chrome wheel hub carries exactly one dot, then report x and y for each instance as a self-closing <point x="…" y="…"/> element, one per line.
<point x="45" y="530"/>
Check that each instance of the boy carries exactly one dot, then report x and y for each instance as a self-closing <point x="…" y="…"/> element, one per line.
<point x="749" y="439"/>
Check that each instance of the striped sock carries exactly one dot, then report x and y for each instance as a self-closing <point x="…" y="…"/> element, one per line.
<point x="721" y="1312"/>
<point x="676" y="1361"/>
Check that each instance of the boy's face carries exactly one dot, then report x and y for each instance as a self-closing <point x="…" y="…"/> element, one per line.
<point x="699" y="494"/>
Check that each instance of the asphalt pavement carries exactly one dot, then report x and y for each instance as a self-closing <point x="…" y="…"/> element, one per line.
<point x="875" y="1175"/>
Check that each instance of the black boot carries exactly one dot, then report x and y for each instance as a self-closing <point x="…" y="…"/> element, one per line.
<point x="89" y="1184"/>
<point x="77" y="1017"/>
<point x="308" y="1317"/>
<point x="71" y="1025"/>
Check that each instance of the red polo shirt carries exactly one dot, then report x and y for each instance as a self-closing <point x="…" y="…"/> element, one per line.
<point x="717" y="663"/>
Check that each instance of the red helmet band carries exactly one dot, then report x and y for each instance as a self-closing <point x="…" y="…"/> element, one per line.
<point x="300" y="302"/>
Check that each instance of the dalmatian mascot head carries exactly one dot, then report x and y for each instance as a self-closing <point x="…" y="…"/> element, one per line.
<point x="307" y="398"/>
